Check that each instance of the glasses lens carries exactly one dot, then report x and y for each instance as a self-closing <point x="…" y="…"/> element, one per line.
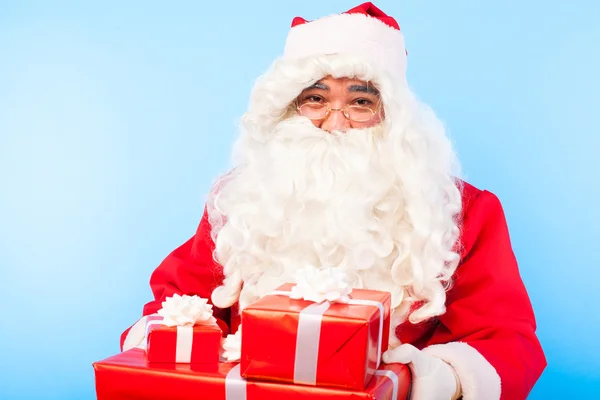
<point x="360" y="114"/>
<point x="313" y="110"/>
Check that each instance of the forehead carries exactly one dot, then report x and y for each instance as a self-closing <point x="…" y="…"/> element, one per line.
<point x="349" y="84"/>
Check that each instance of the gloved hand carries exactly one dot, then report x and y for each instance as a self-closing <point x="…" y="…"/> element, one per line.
<point x="432" y="378"/>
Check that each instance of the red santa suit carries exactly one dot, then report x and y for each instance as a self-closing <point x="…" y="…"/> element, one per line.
<point x="487" y="332"/>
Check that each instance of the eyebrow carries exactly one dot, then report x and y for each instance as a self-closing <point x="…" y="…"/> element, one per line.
<point x="351" y="89"/>
<point x="318" y="85"/>
<point x="363" y="89"/>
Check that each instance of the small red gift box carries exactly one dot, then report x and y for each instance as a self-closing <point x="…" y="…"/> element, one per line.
<point x="337" y="345"/>
<point x="128" y="375"/>
<point x="182" y="344"/>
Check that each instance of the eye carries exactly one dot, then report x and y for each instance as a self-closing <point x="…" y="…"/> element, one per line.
<point x="363" y="102"/>
<point x="312" y="98"/>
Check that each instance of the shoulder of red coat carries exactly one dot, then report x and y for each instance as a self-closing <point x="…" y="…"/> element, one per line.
<point x="472" y="195"/>
<point x="481" y="209"/>
<point x="469" y="194"/>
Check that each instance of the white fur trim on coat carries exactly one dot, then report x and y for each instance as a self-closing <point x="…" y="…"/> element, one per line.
<point x="478" y="378"/>
<point x="356" y="34"/>
<point x="136" y="335"/>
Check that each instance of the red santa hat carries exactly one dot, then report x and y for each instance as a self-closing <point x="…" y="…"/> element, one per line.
<point x="364" y="31"/>
<point x="363" y="42"/>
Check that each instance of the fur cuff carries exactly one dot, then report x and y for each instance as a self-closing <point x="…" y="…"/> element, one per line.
<point x="478" y="378"/>
<point x="136" y="335"/>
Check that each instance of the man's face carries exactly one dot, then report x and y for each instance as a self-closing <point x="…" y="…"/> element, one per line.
<point x="339" y="104"/>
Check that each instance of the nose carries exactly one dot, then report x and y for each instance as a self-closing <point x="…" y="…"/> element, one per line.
<point x="335" y="121"/>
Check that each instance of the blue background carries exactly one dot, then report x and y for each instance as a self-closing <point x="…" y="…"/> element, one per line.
<point x="116" y="116"/>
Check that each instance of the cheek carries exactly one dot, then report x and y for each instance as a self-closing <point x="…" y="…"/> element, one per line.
<point x="377" y="120"/>
<point x="315" y="122"/>
<point x="369" y="124"/>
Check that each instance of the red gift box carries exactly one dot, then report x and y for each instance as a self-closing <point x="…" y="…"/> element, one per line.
<point x="128" y="375"/>
<point x="182" y="344"/>
<point x="298" y="341"/>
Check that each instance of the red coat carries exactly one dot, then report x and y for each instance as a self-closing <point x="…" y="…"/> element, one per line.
<point x="487" y="333"/>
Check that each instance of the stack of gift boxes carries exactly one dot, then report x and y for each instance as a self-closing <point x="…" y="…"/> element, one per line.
<point x="292" y="345"/>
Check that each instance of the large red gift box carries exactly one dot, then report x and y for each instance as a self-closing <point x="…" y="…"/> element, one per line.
<point x="318" y="344"/>
<point x="182" y="344"/>
<point x="129" y="376"/>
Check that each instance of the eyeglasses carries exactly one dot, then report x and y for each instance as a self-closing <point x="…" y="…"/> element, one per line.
<point x="317" y="111"/>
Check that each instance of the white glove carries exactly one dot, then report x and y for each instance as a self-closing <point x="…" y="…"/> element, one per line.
<point x="432" y="378"/>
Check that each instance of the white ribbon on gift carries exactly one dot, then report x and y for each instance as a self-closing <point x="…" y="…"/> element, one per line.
<point x="184" y="340"/>
<point x="309" y="336"/>
<point x="393" y="377"/>
<point x="307" y="343"/>
<point x="183" y="348"/>
<point x="235" y="385"/>
<point x="152" y="322"/>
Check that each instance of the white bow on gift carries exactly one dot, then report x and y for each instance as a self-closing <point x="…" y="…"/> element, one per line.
<point x="186" y="311"/>
<point x="321" y="284"/>
<point x="183" y="312"/>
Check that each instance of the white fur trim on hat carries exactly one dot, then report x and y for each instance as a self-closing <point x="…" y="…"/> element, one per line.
<point x="478" y="378"/>
<point x="358" y="35"/>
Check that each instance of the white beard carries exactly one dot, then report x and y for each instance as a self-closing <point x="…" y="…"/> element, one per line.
<point x="310" y="197"/>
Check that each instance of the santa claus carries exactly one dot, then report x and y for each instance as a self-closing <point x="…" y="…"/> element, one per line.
<point x="339" y="165"/>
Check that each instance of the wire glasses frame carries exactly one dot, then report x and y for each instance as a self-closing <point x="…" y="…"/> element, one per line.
<point x="318" y="111"/>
